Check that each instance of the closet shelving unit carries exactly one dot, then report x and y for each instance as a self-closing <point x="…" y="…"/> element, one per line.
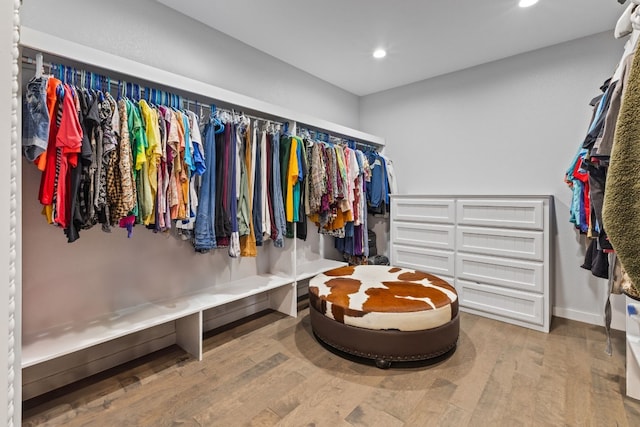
<point x="273" y="276"/>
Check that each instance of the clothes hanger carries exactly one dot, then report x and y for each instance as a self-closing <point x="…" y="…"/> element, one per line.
<point x="100" y="93"/>
<point x="121" y="88"/>
<point x="218" y="126"/>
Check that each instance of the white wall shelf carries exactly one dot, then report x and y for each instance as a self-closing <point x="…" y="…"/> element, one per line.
<point x="50" y="344"/>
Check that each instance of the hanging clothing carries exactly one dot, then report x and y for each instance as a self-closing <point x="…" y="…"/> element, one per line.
<point x="258" y="189"/>
<point x="35" y="119"/>
<point x="222" y="222"/>
<point x="293" y="182"/>
<point x="276" y="188"/>
<point x="64" y="145"/>
<point x="301" y="224"/>
<point x="234" y="243"/>
<point x="244" y="207"/>
<point x="204" y="236"/>
<point x="273" y="230"/>
<point x="621" y="211"/>
<point x="248" y="241"/>
<point x="153" y="154"/>
<point x="266" y="215"/>
<point x="136" y="162"/>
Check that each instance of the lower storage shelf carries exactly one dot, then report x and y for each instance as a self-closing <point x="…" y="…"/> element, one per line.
<point x="185" y="311"/>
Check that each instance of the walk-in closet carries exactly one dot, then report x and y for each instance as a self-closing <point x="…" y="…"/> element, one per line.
<point x="363" y="213"/>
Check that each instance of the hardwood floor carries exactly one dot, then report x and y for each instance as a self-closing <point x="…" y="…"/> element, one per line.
<point x="269" y="370"/>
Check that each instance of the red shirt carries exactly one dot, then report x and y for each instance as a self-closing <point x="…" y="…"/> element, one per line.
<point x="68" y="138"/>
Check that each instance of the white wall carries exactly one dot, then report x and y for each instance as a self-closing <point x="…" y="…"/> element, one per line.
<point x="507" y="127"/>
<point x="151" y="33"/>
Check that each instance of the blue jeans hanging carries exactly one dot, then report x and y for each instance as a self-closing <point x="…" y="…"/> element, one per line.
<point x="35" y="119"/>
<point x="276" y="192"/>
<point x="205" y="237"/>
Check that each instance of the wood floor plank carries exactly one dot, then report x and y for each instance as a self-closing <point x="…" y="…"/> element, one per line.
<point x="330" y="405"/>
<point x="430" y="409"/>
<point x="365" y="415"/>
<point x="240" y="406"/>
<point x="265" y="418"/>
<point x="207" y="394"/>
<point x="270" y="370"/>
<point x="398" y="403"/>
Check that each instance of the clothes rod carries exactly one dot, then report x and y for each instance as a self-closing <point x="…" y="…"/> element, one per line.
<point x="316" y="133"/>
<point x="40" y="64"/>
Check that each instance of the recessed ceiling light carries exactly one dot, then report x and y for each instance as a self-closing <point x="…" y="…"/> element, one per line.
<point x="379" y="53"/>
<point x="527" y="3"/>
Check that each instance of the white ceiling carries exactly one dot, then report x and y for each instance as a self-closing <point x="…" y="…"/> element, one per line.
<point x="334" y="39"/>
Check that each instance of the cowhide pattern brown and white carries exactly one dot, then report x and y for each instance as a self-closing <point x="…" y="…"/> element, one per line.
<point x="382" y="297"/>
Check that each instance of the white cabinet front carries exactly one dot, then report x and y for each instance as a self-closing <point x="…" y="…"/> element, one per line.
<point x="528" y="214"/>
<point x="428" y="260"/>
<point x="503" y="272"/>
<point x="522" y="306"/>
<point x="424" y="210"/>
<point x="501" y="242"/>
<point x="437" y="236"/>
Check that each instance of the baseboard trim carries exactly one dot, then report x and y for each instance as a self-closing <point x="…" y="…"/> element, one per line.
<point x="580" y="316"/>
<point x="230" y="313"/>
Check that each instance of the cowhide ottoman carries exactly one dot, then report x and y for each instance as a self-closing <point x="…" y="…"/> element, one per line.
<point x="384" y="313"/>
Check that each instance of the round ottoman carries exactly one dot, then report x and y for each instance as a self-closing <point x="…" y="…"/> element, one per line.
<point x="384" y="313"/>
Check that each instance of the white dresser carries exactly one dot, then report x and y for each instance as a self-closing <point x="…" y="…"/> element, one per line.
<point x="494" y="249"/>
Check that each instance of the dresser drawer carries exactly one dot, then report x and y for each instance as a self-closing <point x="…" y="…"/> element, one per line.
<point x="437" y="236"/>
<point x="423" y="210"/>
<point x="501" y="242"/>
<point x="428" y="260"/>
<point x="504" y="272"/>
<point x="527" y="214"/>
<point x="508" y="303"/>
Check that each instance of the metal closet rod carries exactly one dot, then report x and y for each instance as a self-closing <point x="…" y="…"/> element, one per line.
<point x="233" y="112"/>
<point x="318" y="134"/>
<point x="165" y="96"/>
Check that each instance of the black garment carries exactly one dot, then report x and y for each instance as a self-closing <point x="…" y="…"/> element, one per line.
<point x="597" y="180"/>
<point x="81" y="213"/>
<point x="222" y="222"/>
<point x="71" y="231"/>
<point x="301" y="226"/>
<point x="596" y="261"/>
<point x="372" y="242"/>
<point x="378" y="211"/>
